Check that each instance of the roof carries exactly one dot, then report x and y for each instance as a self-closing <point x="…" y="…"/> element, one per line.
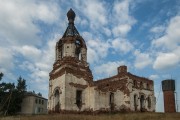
<point x="34" y="94"/>
<point x="122" y="75"/>
<point x="71" y="29"/>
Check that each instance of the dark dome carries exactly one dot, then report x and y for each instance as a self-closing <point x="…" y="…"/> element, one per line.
<point x="71" y="15"/>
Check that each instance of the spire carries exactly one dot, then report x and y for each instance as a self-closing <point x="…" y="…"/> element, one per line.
<point x="71" y="29"/>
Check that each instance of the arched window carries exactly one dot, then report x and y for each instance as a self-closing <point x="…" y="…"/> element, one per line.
<point x="78" y="49"/>
<point x="56" y="101"/>
<point x="134" y="83"/>
<point x="149" y="102"/>
<point x="147" y="85"/>
<point x="141" y="85"/>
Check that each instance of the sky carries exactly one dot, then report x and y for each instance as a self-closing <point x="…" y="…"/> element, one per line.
<point x="142" y="34"/>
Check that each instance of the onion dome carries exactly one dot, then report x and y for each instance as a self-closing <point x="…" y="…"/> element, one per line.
<point x="71" y="15"/>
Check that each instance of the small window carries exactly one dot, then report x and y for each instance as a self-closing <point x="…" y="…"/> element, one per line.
<point x="147" y="86"/>
<point x="42" y="102"/>
<point x="141" y="85"/>
<point x="134" y="83"/>
<point x="39" y="101"/>
<point x="67" y="46"/>
<point x="36" y="101"/>
<point x="39" y="110"/>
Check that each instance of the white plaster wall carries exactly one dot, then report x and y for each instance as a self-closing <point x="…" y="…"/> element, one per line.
<point x="70" y="93"/>
<point x="69" y="50"/>
<point x="58" y="82"/>
<point x="146" y="93"/>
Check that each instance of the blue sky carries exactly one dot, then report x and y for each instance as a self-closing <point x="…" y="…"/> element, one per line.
<point x="142" y="34"/>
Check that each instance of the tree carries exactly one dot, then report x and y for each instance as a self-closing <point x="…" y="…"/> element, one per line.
<point x="1" y="75"/>
<point x="12" y="96"/>
<point x="21" y="85"/>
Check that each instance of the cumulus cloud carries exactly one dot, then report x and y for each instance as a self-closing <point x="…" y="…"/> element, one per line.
<point x="142" y="59"/>
<point x="109" y="68"/>
<point x="154" y="77"/>
<point x="168" y="45"/>
<point x="166" y="61"/>
<point x="122" y="21"/>
<point x="97" y="49"/>
<point x="6" y="59"/>
<point x="157" y="29"/>
<point x="171" y="38"/>
<point x="30" y="52"/>
<point x="94" y="11"/>
<point x="19" y="17"/>
<point x="121" y="45"/>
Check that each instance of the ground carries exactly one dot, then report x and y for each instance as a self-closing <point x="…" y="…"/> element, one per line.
<point x="119" y="116"/>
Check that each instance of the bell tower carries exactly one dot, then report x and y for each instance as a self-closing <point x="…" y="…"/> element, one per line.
<point x="70" y="72"/>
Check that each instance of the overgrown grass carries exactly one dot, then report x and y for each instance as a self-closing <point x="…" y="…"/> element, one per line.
<point x="120" y="116"/>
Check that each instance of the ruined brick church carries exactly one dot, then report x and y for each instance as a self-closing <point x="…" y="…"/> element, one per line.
<point x="71" y="85"/>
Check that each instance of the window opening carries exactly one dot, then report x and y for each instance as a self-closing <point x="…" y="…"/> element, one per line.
<point x="142" y="103"/>
<point x="57" y="105"/>
<point x="149" y="102"/>
<point x="111" y="101"/>
<point x="141" y="85"/>
<point x="79" y="98"/>
<point x="135" y="102"/>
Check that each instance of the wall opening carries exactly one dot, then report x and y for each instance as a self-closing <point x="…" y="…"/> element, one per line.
<point x="142" y="103"/>
<point x="135" y="102"/>
<point x="134" y="83"/>
<point x="141" y="85"/>
<point x="79" y="98"/>
<point x="111" y="101"/>
<point x="147" y="86"/>
<point x="56" y="101"/>
<point x="149" y="102"/>
<point x="78" y="49"/>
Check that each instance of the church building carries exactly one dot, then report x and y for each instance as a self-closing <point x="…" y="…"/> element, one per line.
<point x="71" y="85"/>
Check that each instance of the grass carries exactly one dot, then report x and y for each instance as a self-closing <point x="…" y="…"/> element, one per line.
<point x="120" y="116"/>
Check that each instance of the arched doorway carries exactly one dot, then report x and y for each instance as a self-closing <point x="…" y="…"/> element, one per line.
<point x="56" y="101"/>
<point x="142" y="103"/>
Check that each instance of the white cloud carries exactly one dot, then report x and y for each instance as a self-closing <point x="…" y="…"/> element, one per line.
<point x="154" y="77"/>
<point x="29" y="52"/>
<point x="142" y="59"/>
<point x="171" y="38"/>
<point x="169" y="46"/>
<point x="121" y="45"/>
<point x="166" y="61"/>
<point x="97" y="49"/>
<point x="121" y="30"/>
<point x="122" y="21"/>
<point x="6" y="59"/>
<point x="94" y="11"/>
<point x="108" y="69"/>
<point x="157" y="29"/>
<point x="19" y="17"/>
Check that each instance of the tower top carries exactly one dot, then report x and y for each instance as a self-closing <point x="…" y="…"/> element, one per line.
<point x="71" y="16"/>
<point x="71" y="29"/>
